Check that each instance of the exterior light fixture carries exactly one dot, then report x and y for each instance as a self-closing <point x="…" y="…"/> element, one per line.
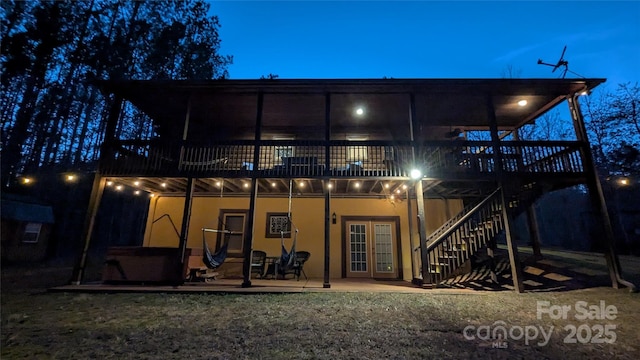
<point x="152" y="195"/>
<point x="386" y="186"/>
<point x="164" y="185"/>
<point x="398" y="191"/>
<point x="27" y="180"/>
<point x="404" y="186"/>
<point x="359" y="111"/>
<point x="218" y="183"/>
<point x="392" y="197"/>
<point x="522" y="102"/>
<point x="416" y="174"/>
<point x="273" y="184"/>
<point x="137" y="192"/>
<point x="329" y="186"/>
<point x="246" y="185"/>
<point x="119" y="187"/>
<point x="334" y="218"/>
<point x="109" y="183"/>
<point x="623" y="181"/>
<point x="136" y="183"/>
<point x="356" y="185"/>
<point x="70" y="177"/>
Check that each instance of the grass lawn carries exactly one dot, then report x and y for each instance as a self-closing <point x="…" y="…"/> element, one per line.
<point x="40" y="325"/>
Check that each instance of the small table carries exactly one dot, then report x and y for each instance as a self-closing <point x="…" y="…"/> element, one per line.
<point x="272" y="266"/>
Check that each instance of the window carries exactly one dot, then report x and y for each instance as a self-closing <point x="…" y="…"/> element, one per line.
<point x="283" y="152"/>
<point x="357" y="153"/>
<point x="31" y="233"/>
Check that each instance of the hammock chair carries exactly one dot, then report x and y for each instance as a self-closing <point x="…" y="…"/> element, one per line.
<point x="288" y="258"/>
<point x="214" y="260"/>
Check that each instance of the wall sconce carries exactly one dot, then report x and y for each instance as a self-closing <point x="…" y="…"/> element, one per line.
<point x="333" y="218"/>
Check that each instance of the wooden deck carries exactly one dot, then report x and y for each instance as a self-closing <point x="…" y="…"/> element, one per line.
<point x="258" y="286"/>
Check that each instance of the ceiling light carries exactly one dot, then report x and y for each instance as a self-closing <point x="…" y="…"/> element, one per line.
<point x="416" y="174"/>
<point x="246" y="185"/>
<point x="301" y="184"/>
<point x="398" y="191"/>
<point x="273" y="184"/>
<point x="386" y="186"/>
<point x="71" y="177"/>
<point x="359" y="111"/>
<point x="218" y="183"/>
<point x="330" y="185"/>
<point x="164" y="185"/>
<point x="522" y="102"/>
<point x="26" y="180"/>
<point x="357" y="185"/>
<point x="119" y="187"/>
<point x="137" y="192"/>
<point x="109" y="183"/>
<point x="404" y="187"/>
<point x="136" y="183"/>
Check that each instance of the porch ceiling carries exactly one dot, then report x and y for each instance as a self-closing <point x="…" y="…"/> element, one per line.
<point x="228" y="108"/>
<point x="351" y="188"/>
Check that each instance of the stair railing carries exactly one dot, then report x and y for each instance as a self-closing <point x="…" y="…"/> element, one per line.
<point x="455" y="246"/>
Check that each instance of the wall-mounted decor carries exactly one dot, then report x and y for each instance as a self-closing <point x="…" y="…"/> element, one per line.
<point x="276" y="223"/>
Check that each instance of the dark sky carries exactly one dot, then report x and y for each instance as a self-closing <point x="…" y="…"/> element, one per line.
<point x="429" y="39"/>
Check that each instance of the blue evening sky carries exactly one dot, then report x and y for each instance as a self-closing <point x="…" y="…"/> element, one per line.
<point x="430" y="39"/>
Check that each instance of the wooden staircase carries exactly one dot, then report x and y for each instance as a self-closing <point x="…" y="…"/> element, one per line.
<point x="474" y="229"/>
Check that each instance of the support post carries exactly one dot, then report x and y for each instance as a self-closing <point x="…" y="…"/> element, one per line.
<point x="597" y="196"/>
<point x="414" y="278"/>
<point x="97" y="190"/>
<point x="92" y="210"/>
<point x="247" y="244"/>
<point x="534" y="231"/>
<point x="327" y="238"/>
<point x="327" y="191"/>
<point x="422" y="230"/>
<point x="184" y="228"/>
<point x="514" y="258"/>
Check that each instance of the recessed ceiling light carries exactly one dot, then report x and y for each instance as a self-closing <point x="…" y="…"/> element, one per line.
<point x="359" y="111"/>
<point x="357" y="184"/>
<point x="329" y="185"/>
<point x="522" y="102"/>
<point x="301" y="184"/>
<point x="246" y="185"/>
<point x="273" y="184"/>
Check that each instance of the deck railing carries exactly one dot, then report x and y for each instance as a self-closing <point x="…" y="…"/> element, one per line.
<point x="338" y="159"/>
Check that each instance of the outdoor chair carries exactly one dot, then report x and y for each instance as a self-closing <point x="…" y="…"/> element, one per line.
<point x="297" y="267"/>
<point x="258" y="261"/>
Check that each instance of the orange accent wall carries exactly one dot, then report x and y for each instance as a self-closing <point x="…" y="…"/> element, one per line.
<point x="307" y="216"/>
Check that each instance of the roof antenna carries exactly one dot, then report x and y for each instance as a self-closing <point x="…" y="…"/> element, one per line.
<point x="561" y="63"/>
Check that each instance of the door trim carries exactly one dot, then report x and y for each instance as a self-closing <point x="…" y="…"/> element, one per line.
<point x="343" y="238"/>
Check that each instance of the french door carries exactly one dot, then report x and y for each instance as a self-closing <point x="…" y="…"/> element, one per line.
<point x="371" y="249"/>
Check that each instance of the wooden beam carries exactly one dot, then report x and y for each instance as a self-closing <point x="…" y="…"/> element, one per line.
<point x="184" y="229"/>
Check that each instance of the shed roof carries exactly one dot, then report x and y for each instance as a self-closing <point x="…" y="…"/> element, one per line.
<point x="21" y="208"/>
